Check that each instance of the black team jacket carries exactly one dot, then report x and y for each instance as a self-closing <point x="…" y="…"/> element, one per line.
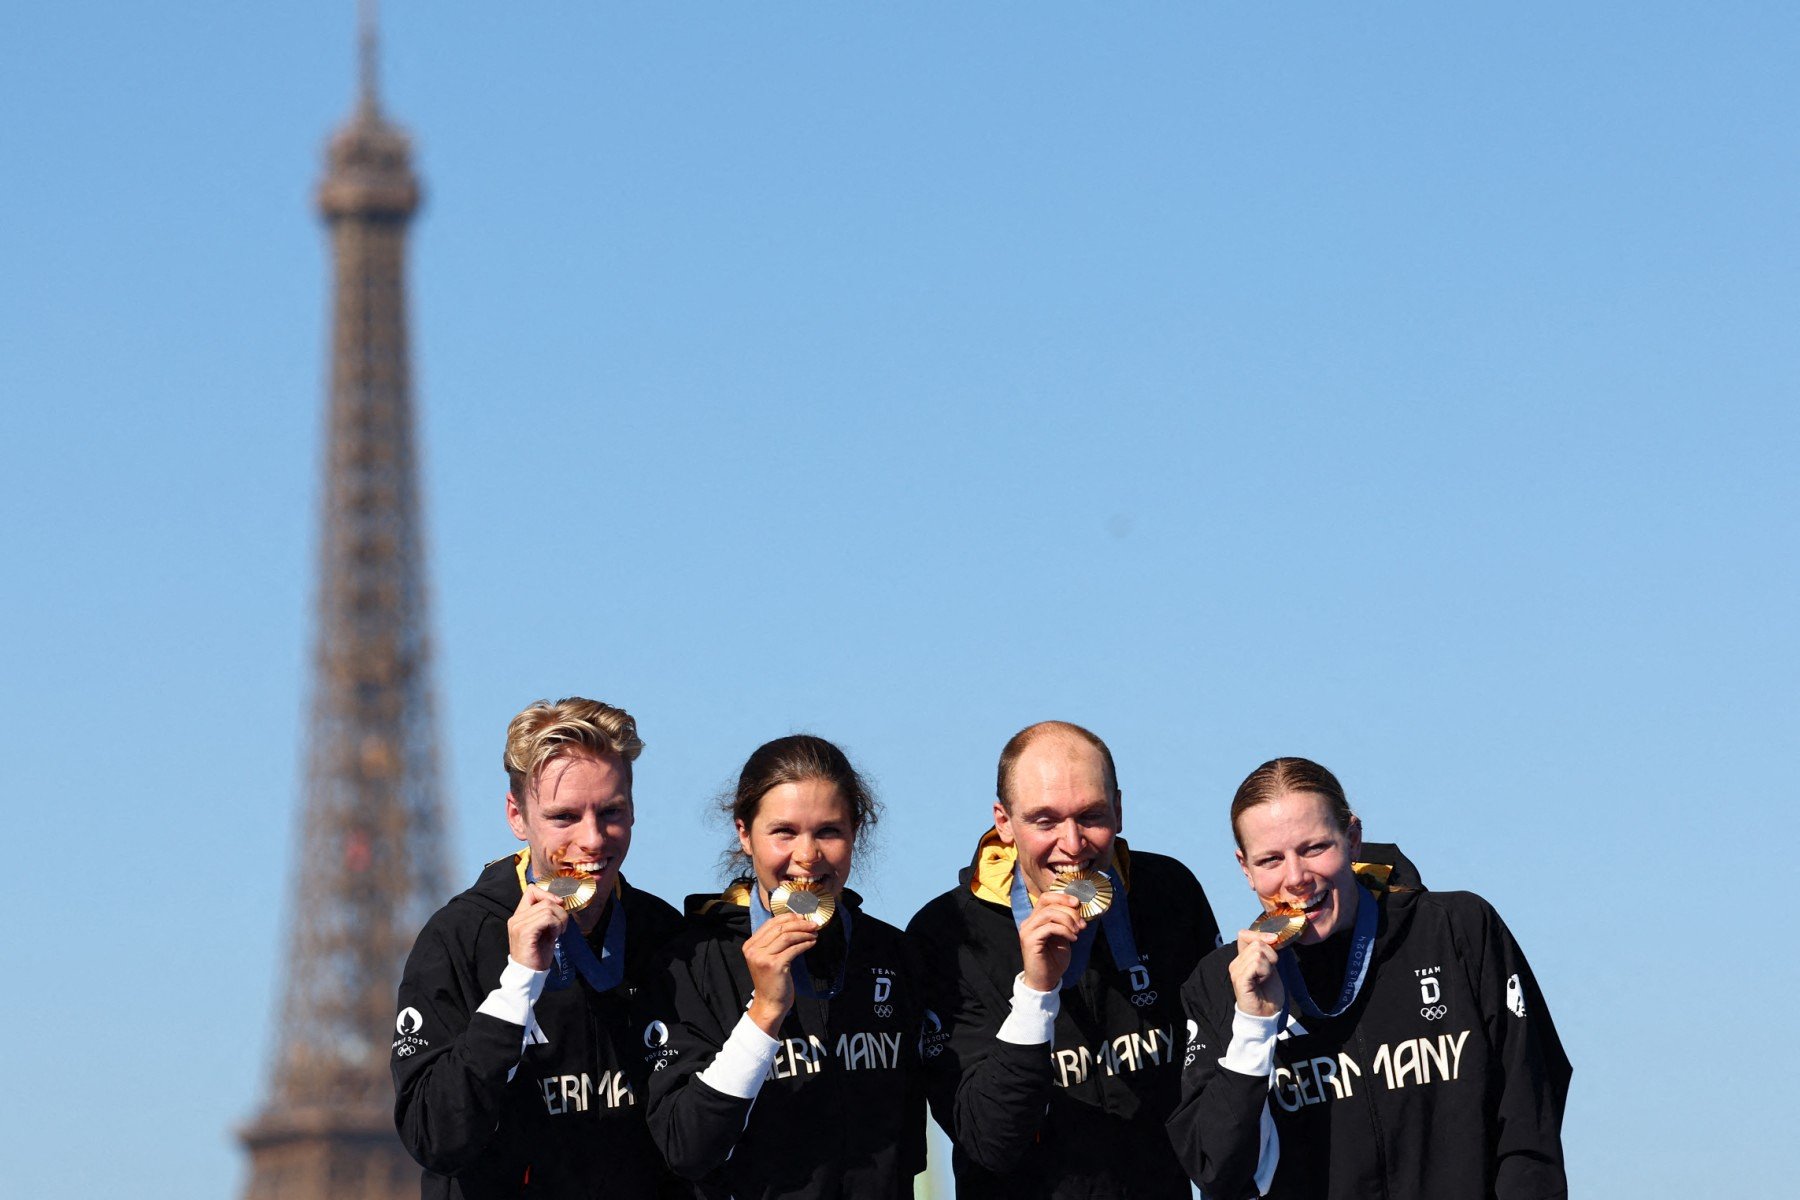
<point x="1081" y="1117"/>
<point x="488" y="1115"/>
<point x="1443" y="1080"/>
<point x="840" y="1111"/>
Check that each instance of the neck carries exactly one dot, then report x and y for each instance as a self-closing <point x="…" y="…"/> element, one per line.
<point x="588" y="919"/>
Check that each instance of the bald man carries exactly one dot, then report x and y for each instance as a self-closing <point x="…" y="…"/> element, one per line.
<point x="1052" y="1045"/>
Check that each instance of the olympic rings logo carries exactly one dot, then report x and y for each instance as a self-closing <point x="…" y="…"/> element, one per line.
<point x="1144" y="999"/>
<point x="1434" y="1012"/>
<point x="884" y="1010"/>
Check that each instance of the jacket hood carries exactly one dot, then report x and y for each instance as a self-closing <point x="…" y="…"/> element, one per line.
<point x="989" y="875"/>
<point x="1383" y="868"/>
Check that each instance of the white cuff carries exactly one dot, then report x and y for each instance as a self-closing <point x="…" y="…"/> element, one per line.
<point x="1032" y="1021"/>
<point x="1252" y="1049"/>
<point x="520" y="986"/>
<point x="742" y="1063"/>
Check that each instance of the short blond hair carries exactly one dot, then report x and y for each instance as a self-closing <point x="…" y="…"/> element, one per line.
<point x="545" y="732"/>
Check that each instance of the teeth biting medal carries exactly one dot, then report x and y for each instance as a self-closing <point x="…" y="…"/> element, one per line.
<point x="803" y="898"/>
<point x="1285" y="921"/>
<point x="1091" y="889"/>
<point x="574" y="883"/>
<point x="573" y="888"/>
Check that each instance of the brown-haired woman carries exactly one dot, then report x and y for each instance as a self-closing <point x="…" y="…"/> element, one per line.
<point x="783" y="1039"/>
<point x="1367" y="1037"/>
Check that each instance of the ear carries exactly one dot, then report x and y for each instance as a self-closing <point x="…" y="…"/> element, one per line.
<point x="1245" y="868"/>
<point x="743" y="833"/>
<point x="515" y="817"/>
<point x="1118" y="811"/>
<point x="1003" y="823"/>
<point x="1355" y="834"/>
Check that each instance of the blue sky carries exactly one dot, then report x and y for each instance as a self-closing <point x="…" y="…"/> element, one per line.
<point x="1405" y="387"/>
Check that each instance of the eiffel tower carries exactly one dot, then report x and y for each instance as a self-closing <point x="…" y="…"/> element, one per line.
<point x="371" y="867"/>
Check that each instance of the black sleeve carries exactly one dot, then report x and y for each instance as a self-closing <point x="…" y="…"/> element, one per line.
<point x="1206" y="925"/>
<point x="1533" y="1083"/>
<point x="694" y="1125"/>
<point x="1188" y="897"/>
<point x="912" y="1150"/>
<point x="1219" y="1123"/>
<point x="990" y="1096"/>
<point x="450" y="1063"/>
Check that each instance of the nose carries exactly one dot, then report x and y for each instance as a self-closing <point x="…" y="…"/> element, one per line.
<point x="1068" y="839"/>
<point x="1293" y="874"/>
<point x="590" y="834"/>
<point x="806" y="850"/>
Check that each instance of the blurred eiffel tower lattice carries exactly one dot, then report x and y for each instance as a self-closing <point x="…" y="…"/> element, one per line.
<point x="371" y="862"/>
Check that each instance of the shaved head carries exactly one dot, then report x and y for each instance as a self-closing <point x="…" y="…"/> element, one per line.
<point x="1051" y="737"/>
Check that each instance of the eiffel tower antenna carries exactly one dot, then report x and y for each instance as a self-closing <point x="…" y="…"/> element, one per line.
<point x="368" y="55"/>
<point x="371" y="865"/>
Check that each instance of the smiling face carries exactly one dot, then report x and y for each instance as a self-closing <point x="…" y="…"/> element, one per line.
<point x="1063" y="810"/>
<point x="576" y="814"/>
<point x="800" y="831"/>
<point x="1295" y="853"/>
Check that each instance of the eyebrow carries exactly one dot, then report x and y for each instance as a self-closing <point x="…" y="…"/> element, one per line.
<point x="1032" y="814"/>
<point x="551" y="808"/>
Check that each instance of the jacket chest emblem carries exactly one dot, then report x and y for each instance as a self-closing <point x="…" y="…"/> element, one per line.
<point x="881" y="992"/>
<point x="1432" y="1005"/>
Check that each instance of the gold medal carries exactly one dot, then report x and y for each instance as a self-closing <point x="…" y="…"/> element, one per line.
<point x="1285" y="923"/>
<point x="574" y="890"/>
<point x="804" y="900"/>
<point x="1091" y="889"/>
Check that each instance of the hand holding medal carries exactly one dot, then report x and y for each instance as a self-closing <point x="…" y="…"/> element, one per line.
<point x="772" y="954"/>
<point x="534" y="926"/>
<point x="1047" y="936"/>
<point x="1255" y="975"/>
<point x="545" y="908"/>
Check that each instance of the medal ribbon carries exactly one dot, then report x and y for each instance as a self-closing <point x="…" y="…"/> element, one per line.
<point x="1362" y="950"/>
<point x="573" y="954"/>
<point x="1116" y="920"/>
<point x="759" y="914"/>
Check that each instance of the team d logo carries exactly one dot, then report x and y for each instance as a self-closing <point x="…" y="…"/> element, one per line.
<point x="1142" y="994"/>
<point x="884" y="987"/>
<point x="1431" y="998"/>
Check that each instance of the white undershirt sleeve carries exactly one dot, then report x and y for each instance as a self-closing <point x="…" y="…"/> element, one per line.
<point x="742" y="1063"/>
<point x="1252" y="1048"/>
<point x="519" y="988"/>
<point x="1032" y="1021"/>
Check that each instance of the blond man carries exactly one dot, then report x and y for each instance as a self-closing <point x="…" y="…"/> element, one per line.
<point x="517" y="1059"/>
